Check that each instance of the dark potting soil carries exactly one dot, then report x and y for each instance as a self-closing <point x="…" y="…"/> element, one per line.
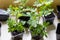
<point x="24" y="18"/>
<point x="36" y="37"/>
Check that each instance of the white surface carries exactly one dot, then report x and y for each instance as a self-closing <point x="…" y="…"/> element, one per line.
<point x="5" y="35"/>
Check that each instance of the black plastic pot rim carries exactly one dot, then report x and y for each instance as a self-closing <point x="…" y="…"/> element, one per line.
<point x="50" y="14"/>
<point x="49" y="17"/>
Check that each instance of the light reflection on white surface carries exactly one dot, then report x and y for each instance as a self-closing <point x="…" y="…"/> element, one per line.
<point x="5" y="35"/>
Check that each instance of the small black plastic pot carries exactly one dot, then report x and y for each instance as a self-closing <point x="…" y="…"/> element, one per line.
<point x="50" y="18"/>
<point x="14" y="33"/>
<point x="37" y="37"/>
<point x="58" y="32"/>
<point x="24" y="18"/>
<point x="3" y="15"/>
<point x="58" y="11"/>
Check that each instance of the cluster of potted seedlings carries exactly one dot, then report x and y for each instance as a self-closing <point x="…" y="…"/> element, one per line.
<point x="28" y="18"/>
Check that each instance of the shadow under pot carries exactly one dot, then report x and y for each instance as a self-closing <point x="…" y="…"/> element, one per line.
<point x="16" y="36"/>
<point x="58" y="32"/>
<point x="50" y="18"/>
<point x="58" y="11"/>
<point x="24" y="18"/>
<point x="38" y="37"/>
